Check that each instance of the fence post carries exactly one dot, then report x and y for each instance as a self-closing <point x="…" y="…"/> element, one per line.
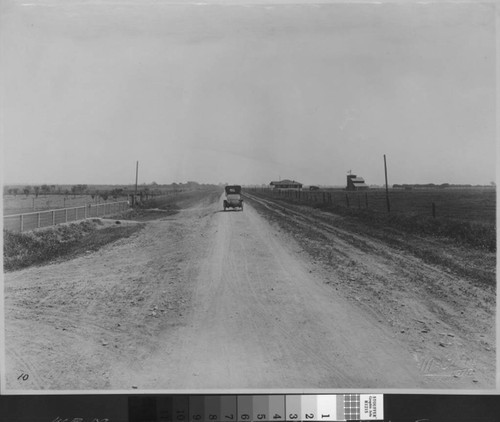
<point x="22" y="223"/>
<point x="38" y="221"/>
<point x="65" y="215"/>
<point x="347" y="199"/>
<point x="53" y="218"/>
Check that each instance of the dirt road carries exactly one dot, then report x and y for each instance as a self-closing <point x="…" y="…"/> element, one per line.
<point x="209" y="299"/>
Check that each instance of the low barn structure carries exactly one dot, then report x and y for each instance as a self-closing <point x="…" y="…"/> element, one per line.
<point x="286" y="184"/>
<point x="355" y="183"/>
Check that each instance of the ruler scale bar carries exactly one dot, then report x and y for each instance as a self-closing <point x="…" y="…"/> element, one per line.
<point x="197" y="409"/>
<point x="245" y="408"/>
<point x="257" y="408"/>
<point x="277" y="408"/>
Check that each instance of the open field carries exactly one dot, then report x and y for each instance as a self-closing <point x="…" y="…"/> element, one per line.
<point x="471" y="204"/>
<point x="462" y="215"/>
<point x="279" y="295"/>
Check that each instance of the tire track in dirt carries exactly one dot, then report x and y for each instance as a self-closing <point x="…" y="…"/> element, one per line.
<point x="399" y="290"/>
<point x="71" y="321"/>
<point x="209" y="299"/>
<point x="260" y="319"/>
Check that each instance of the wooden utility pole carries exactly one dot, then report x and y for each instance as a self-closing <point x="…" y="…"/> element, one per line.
<point x="134" y="202"/>
<point x="136" y="175"/>
<point x="386" y="187"/>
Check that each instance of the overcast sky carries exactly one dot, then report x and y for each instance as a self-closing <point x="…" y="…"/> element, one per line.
<point x="247" y="93"/>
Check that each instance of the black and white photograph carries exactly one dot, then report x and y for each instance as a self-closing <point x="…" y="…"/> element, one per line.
<point x="248" y="195"/>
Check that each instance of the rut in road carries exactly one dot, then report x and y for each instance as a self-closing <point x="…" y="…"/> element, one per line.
<point x="201" y="299"/>
<point x="260" y="319"/>
<point x="445" y="319"/>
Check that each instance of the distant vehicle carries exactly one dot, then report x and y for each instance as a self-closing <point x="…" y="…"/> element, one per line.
<point x="313" y="187"/>
<point x="233" y="197"/>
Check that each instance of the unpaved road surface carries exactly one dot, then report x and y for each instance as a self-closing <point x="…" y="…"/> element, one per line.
<point x="208" y="299"/>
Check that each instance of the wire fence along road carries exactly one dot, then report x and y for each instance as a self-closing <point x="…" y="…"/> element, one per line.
<point x="34" y="220"/>
<point x="471" y="204"/>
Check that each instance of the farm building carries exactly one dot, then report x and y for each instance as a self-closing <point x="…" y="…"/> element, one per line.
<point x="355" y="183"/>
<point x="286" y="184"/>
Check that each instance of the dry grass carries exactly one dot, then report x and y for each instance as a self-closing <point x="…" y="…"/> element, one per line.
<point x="464" y="216"/>
<point x="39" y="247"/>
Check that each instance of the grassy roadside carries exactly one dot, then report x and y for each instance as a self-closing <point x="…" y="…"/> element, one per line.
<point x="460" y="231"/>
<point x="165" y="206"/>
<point x="39" y="247"/>
<point x="466" y="249"/>
<point x="477" y="234"/>
<point x="22" y="250"/>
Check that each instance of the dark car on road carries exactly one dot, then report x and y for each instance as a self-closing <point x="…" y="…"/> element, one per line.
<point x="233" y="197"/>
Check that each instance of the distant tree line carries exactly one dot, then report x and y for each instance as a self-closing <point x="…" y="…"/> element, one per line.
<point x="103" y="191"/>
<point x="436" y="186"/>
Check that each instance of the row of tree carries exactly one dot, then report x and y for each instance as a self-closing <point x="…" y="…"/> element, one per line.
<point x="44" y="189"/>
<point x="75" y="190"/>
<point x="433" y="185"/>
<point x="152" y="189"/>
<point x="48" y="189"/>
